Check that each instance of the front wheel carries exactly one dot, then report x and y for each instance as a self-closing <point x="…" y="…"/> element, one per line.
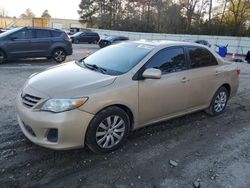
<point x="108" y="130"/>
<point x="59" y="55"/>
<point x="219" y="102"/>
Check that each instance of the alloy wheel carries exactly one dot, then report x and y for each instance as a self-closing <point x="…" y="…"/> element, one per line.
<point x="110" y="131"/>
<point x="220" y="101"/>
<point x="59" y="55"/>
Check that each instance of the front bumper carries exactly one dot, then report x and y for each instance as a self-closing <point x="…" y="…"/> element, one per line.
<point x="71" y="126"/>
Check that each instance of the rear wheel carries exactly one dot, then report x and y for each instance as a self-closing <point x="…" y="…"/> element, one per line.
<point x="59" y="55"/>
<point x="108" y="130"/>
<point x="219" y="102"/>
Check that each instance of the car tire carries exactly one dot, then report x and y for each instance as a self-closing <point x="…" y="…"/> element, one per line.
<point x="2" y="57"/>
<point x="108" y="130"/>
<point x="219" y="102"/>
<point x="59" y="55"/>
<point x="76" y="41"/>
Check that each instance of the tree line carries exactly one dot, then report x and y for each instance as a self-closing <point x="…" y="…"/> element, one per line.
<point x="27" y="14"/>
<point x="208" y="17"/>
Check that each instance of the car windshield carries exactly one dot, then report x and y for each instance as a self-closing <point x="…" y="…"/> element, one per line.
<point x="118" y="59"/>
<point x="6" y="33"/>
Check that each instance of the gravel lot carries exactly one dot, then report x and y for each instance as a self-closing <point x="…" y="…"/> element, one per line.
<point x="206" y="151"/>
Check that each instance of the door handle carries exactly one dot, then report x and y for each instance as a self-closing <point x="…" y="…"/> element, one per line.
<point x="217" y="73"/>
<point x="184" y="80"/>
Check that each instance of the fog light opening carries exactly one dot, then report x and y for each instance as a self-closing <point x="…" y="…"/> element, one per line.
<point x="52" y="135"/>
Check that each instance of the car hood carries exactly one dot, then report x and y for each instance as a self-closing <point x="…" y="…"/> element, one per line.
<point x="69" y="80"/>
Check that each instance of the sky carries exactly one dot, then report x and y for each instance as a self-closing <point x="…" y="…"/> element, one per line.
<point x="57" y="8"/>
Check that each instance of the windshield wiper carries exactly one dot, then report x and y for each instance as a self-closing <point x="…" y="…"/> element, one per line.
<point x="95" y="67"/>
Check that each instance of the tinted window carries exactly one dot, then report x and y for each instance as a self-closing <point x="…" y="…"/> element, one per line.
<point x="90" y="34"/>
<point x="56" y="33"/>
<point x="168" y="60"/>
<point x="23" y="34"/>
<point x="200" y="57"/>
<point x="40" y="33"/>
<point x="120" y="58"/>
<point x="77" y="34"/>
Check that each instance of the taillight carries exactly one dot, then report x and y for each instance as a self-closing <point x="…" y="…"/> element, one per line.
<point x="238" y="70"/>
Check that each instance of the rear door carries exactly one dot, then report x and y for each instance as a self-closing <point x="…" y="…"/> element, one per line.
<point x="18" y="44"/>
<point x="204" y="76"/>
<point x="41" y="43"/>
<point x="84" y="37"/>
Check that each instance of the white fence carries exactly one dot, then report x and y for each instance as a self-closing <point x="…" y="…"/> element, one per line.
<point x="238" y="45"/>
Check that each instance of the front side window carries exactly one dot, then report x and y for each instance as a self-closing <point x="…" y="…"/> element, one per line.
<point x="201" y="57"/>
<point x="40" y="33"/>
<point x="168" y="60"/>
<point x="23" y="34"/>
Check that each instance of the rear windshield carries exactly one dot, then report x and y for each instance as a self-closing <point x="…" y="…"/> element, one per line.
<point x="120" y="58"/>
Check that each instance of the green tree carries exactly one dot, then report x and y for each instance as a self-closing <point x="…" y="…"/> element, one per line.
<point x="88" y="9"/>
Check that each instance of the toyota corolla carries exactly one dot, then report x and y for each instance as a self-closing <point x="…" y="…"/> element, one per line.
<point x="98" y="100"/>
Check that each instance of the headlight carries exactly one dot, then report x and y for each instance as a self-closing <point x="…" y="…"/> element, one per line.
<point x="61" y="105"/>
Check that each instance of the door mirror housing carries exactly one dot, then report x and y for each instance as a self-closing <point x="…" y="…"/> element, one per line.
<point x="152" y="73"/>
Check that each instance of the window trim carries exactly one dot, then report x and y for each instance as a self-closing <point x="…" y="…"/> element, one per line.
<point x="189" y="60"/>
<point x="138" y="75"/>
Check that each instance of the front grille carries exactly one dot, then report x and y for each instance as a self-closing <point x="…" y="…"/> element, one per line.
<point x="29" y="100"/>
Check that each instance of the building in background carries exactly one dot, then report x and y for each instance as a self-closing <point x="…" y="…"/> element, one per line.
<point x="68" y="25"/>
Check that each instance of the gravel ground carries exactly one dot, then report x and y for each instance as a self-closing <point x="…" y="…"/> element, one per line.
<point x="194" y="150"/>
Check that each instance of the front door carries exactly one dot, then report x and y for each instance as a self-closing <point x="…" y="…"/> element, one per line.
<point x="18" y="44"/>
<point x="159" y="98"/>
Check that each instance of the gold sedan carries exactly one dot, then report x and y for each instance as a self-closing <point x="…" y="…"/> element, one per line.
<point x="100" y="99"/>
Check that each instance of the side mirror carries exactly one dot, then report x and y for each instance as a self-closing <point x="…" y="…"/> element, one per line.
<point x="83" y="58"/>
<point x="152" y="73"/>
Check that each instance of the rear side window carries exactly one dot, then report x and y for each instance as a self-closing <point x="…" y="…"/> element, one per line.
<point x="168" y="60"/>
<point x="201" y="57"/>
<point x="40" y="33"/>
<point x="56" y="33"/>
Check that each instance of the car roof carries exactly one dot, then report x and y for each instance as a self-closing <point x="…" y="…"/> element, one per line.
<point x="45" y="28"/>
<point x="166" y="43"/>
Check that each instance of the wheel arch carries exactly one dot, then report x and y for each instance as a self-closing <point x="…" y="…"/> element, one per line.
<point x="4" y="53"/>
<point x="124" y="108"/>
<point x="228" y="87"/>
<point x="55" y="48"/>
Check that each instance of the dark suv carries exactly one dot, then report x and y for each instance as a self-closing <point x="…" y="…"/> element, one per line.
<point x="27" y="42"/>
<point x="86" y="36"/>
